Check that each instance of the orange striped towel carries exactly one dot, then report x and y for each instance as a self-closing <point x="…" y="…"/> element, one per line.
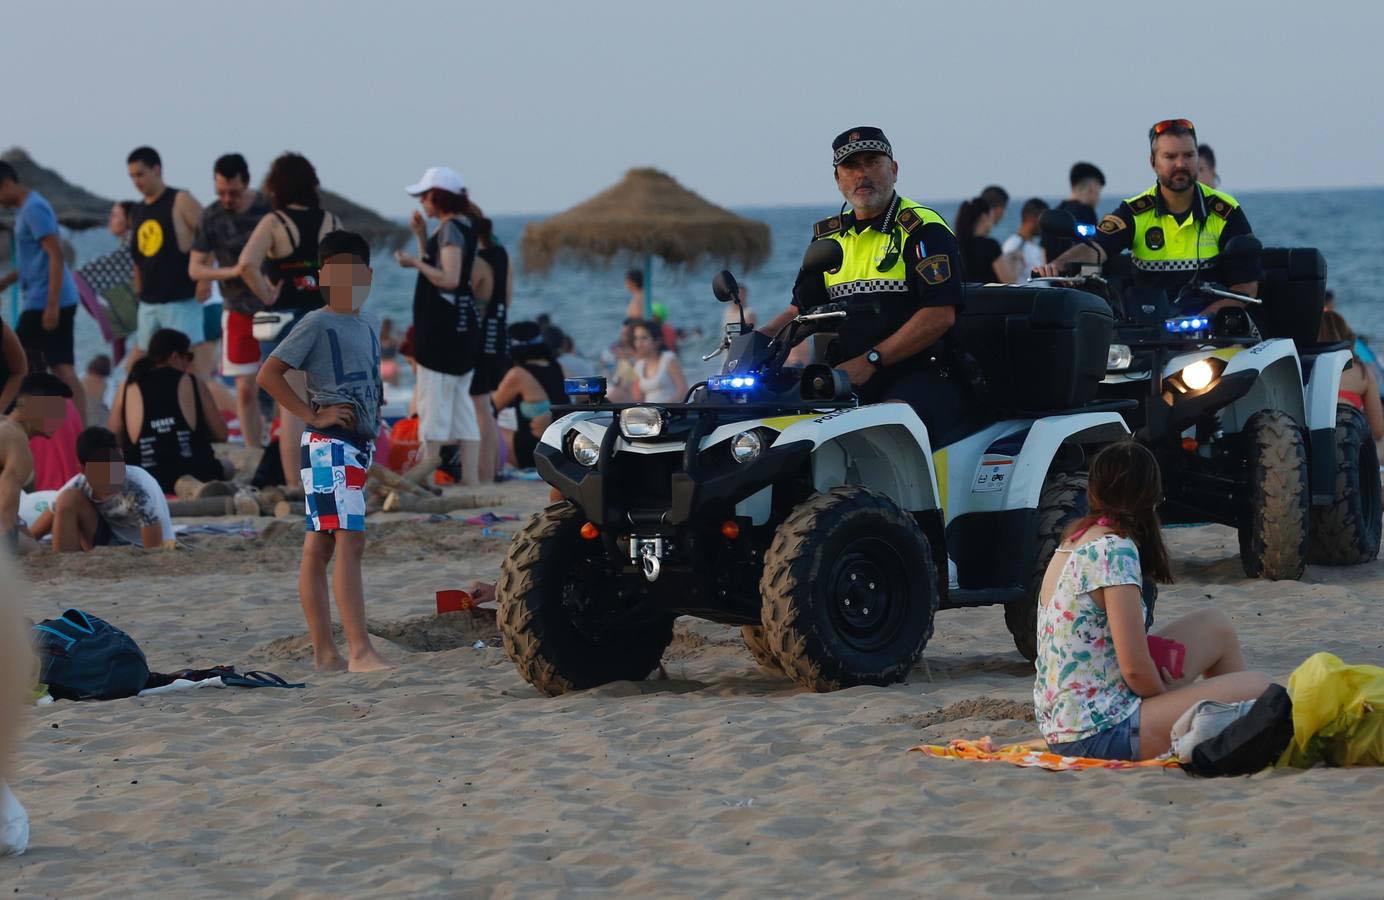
<point x="1034" y="755"/>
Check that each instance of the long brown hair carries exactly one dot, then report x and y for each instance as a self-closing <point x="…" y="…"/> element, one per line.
<point x="1334" y="330"/>
<point x="1125" y="487"/>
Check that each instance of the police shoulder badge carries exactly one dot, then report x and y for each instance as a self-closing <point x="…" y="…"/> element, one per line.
<point x="1220" y="208"/>
<point x="1142" y="203"/>
<point x="1111" y="224"/>
<point x="1153" y="238"/>
<point x="826" y="227"/>
<point x="935" y="269"/>
<point x="909" y="220"/>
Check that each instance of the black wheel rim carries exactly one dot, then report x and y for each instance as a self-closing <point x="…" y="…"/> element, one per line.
<point x="868" y="593"/>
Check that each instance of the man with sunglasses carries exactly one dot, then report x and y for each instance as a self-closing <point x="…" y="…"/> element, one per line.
<point x="902" y="256"/>
<point x="1177" y="230"/>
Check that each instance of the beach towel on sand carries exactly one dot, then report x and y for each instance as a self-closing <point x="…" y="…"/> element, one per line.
<point x="1034" y="755"/>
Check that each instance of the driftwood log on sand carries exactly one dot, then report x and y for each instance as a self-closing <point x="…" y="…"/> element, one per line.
<point x="397" y="502"/>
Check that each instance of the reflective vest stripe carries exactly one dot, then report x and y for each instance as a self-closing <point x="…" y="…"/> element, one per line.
<point x="868" y="286"/>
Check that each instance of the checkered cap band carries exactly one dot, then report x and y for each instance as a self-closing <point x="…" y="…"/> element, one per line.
<point x="861" y="147"/>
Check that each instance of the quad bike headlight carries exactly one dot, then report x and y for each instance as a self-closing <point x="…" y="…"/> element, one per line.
<point x="642" y="422"/>
<point x="1119" y="358"/>
<point x="584" y="450"/>
<point x="1198" y="375"/>
<point x="746" y="447"/>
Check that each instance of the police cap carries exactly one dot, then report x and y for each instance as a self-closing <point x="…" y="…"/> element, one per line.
<point x="861" y="139"/>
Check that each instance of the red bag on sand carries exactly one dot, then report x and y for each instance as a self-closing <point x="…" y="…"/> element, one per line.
<point x="403" y="445"/>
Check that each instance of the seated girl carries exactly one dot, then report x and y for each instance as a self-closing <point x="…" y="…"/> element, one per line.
<point x="166" y="418"/>
<point x="1099" y="692"/>
<point x="532" y="385"/>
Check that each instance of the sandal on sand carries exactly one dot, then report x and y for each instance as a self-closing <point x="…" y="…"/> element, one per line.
<point x="258" y="680"/>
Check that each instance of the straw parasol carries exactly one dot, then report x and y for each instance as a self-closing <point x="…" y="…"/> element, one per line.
<point x="77" y="208"/>
<point x="646" y="214"/>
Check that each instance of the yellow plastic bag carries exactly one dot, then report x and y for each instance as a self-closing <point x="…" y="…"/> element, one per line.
<point x="1338" y="714"/>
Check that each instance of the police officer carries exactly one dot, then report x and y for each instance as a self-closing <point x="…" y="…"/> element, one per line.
<point x="902" y="256"/>
<point x="1176" y="230"/>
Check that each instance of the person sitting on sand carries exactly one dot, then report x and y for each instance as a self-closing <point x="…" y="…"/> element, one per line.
<point x="1099" y="692"/>
<point x="338" y="351"/>
<point x="40" y="408"/>
<point x="166" y="416"/>
<point x="14" y="365"/>
<point x="532" y="385"/>
<point x="1359" y="386"/>
<point x="106" y="504"/>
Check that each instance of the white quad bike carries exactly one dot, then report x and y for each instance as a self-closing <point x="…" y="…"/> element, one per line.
<point x="825" y="528"/>
<point x="1245" y="416"/>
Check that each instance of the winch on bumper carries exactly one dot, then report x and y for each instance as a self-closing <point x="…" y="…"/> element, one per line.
<point x="651" y="507"/>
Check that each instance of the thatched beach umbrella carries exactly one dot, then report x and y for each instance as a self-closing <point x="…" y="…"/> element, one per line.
<point x="77" y="208"/>
<point x="646" y="214"/>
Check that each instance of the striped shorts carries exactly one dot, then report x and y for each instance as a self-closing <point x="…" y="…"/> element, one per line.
<point x="333" y="473"/>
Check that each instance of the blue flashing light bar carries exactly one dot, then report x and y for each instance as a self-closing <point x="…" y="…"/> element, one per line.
<point x="595" y="385"/>
<point x="731" y="384"/>
<point x="1087" y="231"/>
<point x="1187" y="324"/>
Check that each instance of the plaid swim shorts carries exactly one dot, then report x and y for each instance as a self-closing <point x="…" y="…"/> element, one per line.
<point x="333" y="473"/>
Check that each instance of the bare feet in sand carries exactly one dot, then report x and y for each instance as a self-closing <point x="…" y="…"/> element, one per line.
<point x="330" y="663"/>
<point x="369" y="661"/>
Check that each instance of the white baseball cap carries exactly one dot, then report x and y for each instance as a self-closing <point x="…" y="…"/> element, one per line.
<point x="439" y="177"/>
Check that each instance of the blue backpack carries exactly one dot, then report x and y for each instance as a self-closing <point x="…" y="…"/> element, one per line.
<point x="86" y="658"/>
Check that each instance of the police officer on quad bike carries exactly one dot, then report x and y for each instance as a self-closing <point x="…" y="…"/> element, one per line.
<point x="1176" y="231"/>
<point x="902" y="256"/>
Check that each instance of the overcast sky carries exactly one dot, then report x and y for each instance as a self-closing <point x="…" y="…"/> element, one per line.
<point x="541" y="104"/>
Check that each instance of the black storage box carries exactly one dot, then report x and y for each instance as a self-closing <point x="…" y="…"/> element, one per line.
<point x="1294" y="291"/>
<point x="1041" y="349"/>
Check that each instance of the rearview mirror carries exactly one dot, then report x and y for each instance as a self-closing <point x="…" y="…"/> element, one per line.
<point x="822" y="256"/>
<point x="725" y="287"/>
<point x="1057" y="223"/>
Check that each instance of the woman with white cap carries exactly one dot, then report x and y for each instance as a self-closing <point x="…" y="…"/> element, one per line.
<point x="446" y="326"/>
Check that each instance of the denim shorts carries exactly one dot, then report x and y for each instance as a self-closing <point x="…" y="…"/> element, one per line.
<point x="1116" y="742"/>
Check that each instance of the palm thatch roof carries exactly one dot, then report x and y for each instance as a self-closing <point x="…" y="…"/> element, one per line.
<point x="77" y="208"/>
<point x="375" y="228"/>
<point x="646" y="214"/>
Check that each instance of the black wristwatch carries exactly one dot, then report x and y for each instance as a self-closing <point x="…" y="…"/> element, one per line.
<point x="873" y="358"/>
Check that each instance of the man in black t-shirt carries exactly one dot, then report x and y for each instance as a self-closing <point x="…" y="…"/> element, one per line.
<point x="223" y="232"/>
<point x="1087" y="182"/>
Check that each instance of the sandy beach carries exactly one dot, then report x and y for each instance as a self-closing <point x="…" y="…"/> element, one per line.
<point x="451" y="776"/>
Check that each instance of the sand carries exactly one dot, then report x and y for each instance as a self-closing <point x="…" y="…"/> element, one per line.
<point x="451" y="776"/>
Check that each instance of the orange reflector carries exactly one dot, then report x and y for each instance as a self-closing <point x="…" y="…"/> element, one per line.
<point x="730" y="529"/>
<point x="1189" y="444"/>
<point x="590" y="531"/>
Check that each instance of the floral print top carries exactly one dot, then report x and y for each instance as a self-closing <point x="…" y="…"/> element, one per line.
<point x="1079" y="691"/>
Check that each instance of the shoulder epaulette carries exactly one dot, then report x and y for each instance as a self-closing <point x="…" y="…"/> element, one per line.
<point x="1141" y="203"/>
<point x="910" y="220"/>
<point x="827" y="227"/>
<point x="1218" y="207"/>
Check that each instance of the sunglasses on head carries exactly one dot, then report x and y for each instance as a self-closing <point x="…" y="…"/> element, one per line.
<point x="1167" y="125"/>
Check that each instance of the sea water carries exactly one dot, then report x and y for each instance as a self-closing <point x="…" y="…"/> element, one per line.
<point x="589" y="303"/>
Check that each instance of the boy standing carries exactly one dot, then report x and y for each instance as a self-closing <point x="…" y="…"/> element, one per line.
<point x="339" y="352"/>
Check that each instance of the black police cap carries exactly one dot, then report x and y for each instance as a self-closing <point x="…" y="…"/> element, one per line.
<point x="861" y="139"/>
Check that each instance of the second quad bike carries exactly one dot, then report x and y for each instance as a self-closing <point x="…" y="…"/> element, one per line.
<point x="1242" y="409"/>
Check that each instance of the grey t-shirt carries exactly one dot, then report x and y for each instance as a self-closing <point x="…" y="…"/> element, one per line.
<point x="224" y="233"/>
<point x="340" y="355"/>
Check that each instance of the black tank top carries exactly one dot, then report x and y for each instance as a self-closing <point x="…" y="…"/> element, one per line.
<point x="297" y="272"/>
<point x="168" y="446"/>
<point x="525" y="441"/>
<point x="494" y="340"/>
<point x="162" y="266"/>
<point x="446" y="328"/>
